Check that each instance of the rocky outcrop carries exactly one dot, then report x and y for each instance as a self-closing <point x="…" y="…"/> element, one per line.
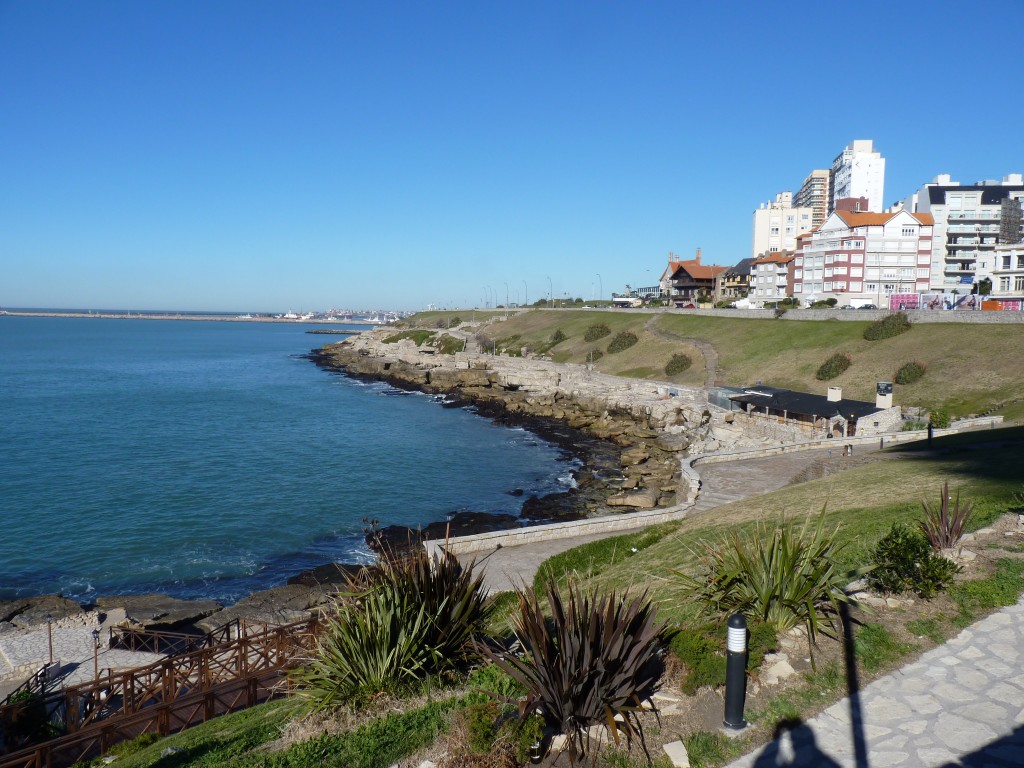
<point x="159" y="611"/>
<point x="655" y="426"/>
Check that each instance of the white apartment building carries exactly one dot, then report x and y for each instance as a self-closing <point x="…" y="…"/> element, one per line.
<point x="771" y="278"/>
<point x="777" y="224"/>
<point x="970" y="221"/>
<point x="858" y="171"/>
<point x="861" y="258"/>
<point x="1008" y="273"/>
<point x="813" y="194"/>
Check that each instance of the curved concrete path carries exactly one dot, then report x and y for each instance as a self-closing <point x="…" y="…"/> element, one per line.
<point x="960" y="704"/>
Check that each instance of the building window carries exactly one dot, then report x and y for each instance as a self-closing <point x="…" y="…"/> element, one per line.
<point x="1006" y="262"/>
<point x="1018" y="283"/>
<point x="909" y="232"/>
<point x="774" y="249"/>
<point x="1004" y="284"/>
<point x="774" y="230"/>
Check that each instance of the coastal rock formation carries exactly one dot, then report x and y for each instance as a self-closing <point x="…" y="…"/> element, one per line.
<point x="34" y="611"/>
<point x="655" y="426"/>
<point x="159" y="611"/>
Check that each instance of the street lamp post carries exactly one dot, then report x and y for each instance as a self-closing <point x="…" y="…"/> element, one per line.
<point x="526" y="298"/>
<point x="600" y="288"/>
<point x="551" y="302"/>
<point x="96" y="654"/>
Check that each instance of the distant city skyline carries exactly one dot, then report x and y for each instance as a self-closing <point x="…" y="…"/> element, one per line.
<point x="253" y="156"/>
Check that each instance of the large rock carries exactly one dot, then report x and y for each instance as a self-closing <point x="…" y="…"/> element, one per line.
<point x="280" y="605"/>
<point x="160" y="611"/>
<point x="45" y="607"/>
<point x="331" y="575"/>
<point x="632" y="456"/>
<point x="673" y="443"/>
<point x="643" y="499"/>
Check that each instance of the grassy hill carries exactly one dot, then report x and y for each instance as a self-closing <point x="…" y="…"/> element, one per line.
<point x="970" y="368"/>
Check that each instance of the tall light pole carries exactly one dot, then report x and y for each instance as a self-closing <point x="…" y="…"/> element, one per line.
<point x="600" y="284"/>
<point x="551" y="302"/>
<point x="506" y="299"/>
<point x="526" y="299"/>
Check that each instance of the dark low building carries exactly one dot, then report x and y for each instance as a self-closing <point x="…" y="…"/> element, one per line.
<point x="830" y="414"/>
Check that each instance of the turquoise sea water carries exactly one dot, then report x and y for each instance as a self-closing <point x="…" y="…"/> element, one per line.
<point x="209" y="459"/>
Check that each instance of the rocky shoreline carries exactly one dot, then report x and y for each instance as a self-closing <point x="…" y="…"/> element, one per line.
<point x="629" y="438"/>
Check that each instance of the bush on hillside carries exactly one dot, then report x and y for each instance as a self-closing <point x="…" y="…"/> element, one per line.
<point x="701" y="649"/>
<point x="903" y="561"/>
<point x="594" y="662"/>
<point x="416" y="618"/>
<point x="781" y="574"/>
<point x="940" y="418"/>
<point x="834" y="366"/>
<point x="557" y="337"/>
<point x="417" y="335"/>
<point x="677" y="364"/>
<point x="449" y="345"/>
<point x="888" y="326"/>
<point x="597" y="331"/>
<point x="623" y="340"/>
<point x="909" y="373"/>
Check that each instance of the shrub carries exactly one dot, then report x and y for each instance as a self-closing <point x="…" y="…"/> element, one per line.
<point x="678" y="364"/>
<point x="725" y="304"/>
<point x="779" y="312"/>
<point x="597" y="331"/>
<point x="834" y="366"/>
<point x="557" y="337"/>
<point x="902" y="561"/>
<point x="418" y="617"/>
<point x="781" y="575"/>
<point x="912" y="425"/>
<point x="449" y="345"/>
<point x="940" y="418"/>
<point x="417" y="335"/>
<point x="597" y="657"/>
<point x="594" y="355"/>
<point x="942" y="525"/>
<point x="887" y="327"/>
<point x="702" y="650"/>
<point x="909" y="373"/>
<point x="623" y="340"/>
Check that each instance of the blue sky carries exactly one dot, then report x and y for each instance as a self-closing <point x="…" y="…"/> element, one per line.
<point x="259" y="156"/>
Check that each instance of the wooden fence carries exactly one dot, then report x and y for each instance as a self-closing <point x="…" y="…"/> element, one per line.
<point x="164" y="697"/>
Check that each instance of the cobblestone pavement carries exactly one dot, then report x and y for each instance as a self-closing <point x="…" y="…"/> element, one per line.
<point x="28" y="650"/>
<point x="960" y="704"/>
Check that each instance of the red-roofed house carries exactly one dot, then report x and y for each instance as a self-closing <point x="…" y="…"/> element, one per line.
<point x="682" y="281"/>
<point x="861" y="258"/>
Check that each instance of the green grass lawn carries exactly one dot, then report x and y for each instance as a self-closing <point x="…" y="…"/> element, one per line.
<point x="970" y="368"/>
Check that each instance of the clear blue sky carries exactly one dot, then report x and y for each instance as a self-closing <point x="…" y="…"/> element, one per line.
<point x="261" y="156"/>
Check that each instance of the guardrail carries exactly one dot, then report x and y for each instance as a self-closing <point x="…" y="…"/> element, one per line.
<point x="163" y="697"/>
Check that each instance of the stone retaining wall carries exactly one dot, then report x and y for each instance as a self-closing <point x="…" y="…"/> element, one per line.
<point x="915" y="315"/>
<point x="625" y="522"/>
<point x="610" y="523"/>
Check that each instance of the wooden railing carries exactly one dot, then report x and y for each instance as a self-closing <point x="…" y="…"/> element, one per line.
<point x="167" y="696"/>
<point x="171" y="643"/>
<point x="35" y="684"/>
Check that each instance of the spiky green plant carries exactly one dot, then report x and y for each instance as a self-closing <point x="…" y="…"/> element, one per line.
<point x="417" y="617"/>
<point x="595" y="662"/>
<point x="944" y="525"/>
<point x="781" y="574"/>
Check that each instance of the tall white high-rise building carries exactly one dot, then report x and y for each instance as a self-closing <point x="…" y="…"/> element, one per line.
<point x="777" y="224"/>
<point x="813" y="194"/>
<point x="858" y="173"/>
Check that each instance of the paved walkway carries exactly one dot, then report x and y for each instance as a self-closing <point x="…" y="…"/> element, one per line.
<point x="24" y="652"/>
<point x="960" y="704"/>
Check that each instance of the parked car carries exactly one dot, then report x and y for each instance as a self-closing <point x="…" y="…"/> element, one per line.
<point x="867" y="306"/>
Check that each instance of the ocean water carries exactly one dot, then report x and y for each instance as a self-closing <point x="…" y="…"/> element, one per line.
<point x="210" y="460"/>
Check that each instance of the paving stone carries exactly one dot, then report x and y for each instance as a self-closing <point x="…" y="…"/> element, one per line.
<point x="985" y="712"/>
<point x="936" y="756"/>
<point x="972" y="678"/>
<point x="959" y="733"/>
<point x="914" y="727"/>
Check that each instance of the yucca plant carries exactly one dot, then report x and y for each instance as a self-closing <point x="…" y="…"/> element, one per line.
<point x="943" y="525"/>
<point x="781" y="574"/>
<point x="411" y="618"/>
<point x="595" y="662"/>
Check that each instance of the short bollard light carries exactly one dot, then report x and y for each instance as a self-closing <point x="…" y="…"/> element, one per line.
<point x="535" y="753"/>
<point x="736" y="672"/>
